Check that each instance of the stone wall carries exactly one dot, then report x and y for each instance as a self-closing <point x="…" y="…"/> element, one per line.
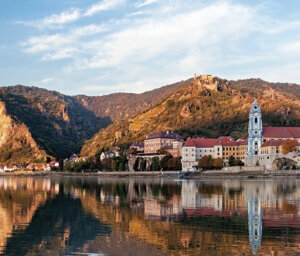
<point x="148" y="158"/>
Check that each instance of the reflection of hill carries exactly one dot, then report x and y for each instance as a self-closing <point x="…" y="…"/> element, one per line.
<point x="17" y="208"/>
<point x="60" y="223"/>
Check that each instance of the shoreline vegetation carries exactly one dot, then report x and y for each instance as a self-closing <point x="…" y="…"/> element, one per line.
<point x="211" y="173"/>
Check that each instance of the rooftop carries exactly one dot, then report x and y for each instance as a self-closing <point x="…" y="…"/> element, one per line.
<point x="281" y="132"/>
<point x="167" y="134"/>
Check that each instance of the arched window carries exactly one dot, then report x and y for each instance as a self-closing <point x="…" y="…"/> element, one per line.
<point x="255" y="120"/>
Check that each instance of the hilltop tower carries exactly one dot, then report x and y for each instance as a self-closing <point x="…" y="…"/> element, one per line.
<point x="254" y="130"/>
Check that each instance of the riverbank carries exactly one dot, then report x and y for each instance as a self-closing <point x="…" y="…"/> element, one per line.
<point x="212" y="173"/>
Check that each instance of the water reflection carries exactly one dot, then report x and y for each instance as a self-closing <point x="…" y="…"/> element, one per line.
<point x="113" y="216"/>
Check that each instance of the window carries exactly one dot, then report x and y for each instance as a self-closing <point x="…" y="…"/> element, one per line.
<point x="255" y="120"/>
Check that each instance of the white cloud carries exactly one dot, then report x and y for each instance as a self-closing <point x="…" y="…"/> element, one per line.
<point x="144" y="48"/>
<point x="145" y="3"/>
<point x="102" y="6"/>
<point x="60" y="46"/>
<point x="72" y="15"/>
<point x="54" y="20"/>
<point x="45" y="80"/>
<point x="62" y="18"/>
<point x="170" y="36"/>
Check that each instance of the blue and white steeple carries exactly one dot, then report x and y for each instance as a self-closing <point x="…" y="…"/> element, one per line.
<point x="254" y="130"/>
<point x="254" y="224"/>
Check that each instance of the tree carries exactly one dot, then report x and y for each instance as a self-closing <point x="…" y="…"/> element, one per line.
<point x="218" y="163"/>
<point x="108" y="164"/>
<point x="231" y="160"/>
<point x="239" y="162"/>
<point x="61" y="164"/>
<point x="205" y="163"/>
<point x="155" y="164"/>
<point x="288" y="146"/>
<point x="174" y="163"/>
<point x="144" y="165"/>
<point x="164" y="161"/>
<point x="136" y="164"/>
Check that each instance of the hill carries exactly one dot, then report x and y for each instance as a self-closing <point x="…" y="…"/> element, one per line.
<point x="208" y="107"/>
<point x="118" y="106"/>
<point x="51" y="123"/>
<point x="37" y="123"/>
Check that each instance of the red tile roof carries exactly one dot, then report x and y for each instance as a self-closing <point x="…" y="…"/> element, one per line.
<point x="209" y="143"/>
<point x="201" y="143"/>
<point x="272" y="143"/>
<point x="276" y="143"/>
<point x="281" y="132"/>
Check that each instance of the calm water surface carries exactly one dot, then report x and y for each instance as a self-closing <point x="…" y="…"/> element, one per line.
<point x="149" y="216"/>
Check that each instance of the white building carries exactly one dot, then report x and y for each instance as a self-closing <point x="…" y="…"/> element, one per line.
<point x="194" y="149"/>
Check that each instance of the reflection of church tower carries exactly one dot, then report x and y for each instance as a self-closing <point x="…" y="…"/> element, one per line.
<point x="254" y="130"/>
<point x="255" y="223"/>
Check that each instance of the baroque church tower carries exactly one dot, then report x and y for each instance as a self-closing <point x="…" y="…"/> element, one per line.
<point x="254" y="130"/>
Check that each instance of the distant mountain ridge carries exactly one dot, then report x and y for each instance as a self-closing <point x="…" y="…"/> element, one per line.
<point x="37" y="123"/>
<point x="40" y="123"/>
<point x="117" y="106"/>
<point x="209" y="108"/>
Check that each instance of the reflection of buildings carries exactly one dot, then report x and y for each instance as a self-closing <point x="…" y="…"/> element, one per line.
<point x="169" y="210"/>
<point x="254" y="223"/>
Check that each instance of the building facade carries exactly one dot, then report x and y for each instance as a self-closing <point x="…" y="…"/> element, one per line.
<point x="265" y="144"/>
<point x="161" y="140"/>
<point x="222" y="147"/>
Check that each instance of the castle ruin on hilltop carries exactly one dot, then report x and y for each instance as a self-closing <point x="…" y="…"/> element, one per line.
<point x="206" y="81"/>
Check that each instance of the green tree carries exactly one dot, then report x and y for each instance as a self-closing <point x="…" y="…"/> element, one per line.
<point x="136" y="164"/>
<point x="164" y="161"/>
<point x="218" y="163"/>
<point x="174" y="163"/>
<point x="205" y="163"/>
<point x="61" y="164"/>
<point x="155" y="164"/>
<point x="144" y="165"/>
<point x="231" y="160"/>
<point x="239" y="162"/>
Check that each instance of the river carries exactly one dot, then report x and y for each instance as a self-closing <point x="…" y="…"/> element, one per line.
<point x="149" y="216"/>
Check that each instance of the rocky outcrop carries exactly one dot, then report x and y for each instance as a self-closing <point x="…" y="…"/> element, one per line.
<point x="16" y="142"/>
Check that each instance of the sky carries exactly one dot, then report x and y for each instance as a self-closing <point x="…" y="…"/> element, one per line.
<point x="97" y="47"/>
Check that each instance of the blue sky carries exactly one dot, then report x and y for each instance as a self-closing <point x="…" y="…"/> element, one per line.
<point x="98" y="47"/>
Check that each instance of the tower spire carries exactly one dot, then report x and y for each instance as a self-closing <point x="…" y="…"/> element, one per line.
<point x="254" y="130"/>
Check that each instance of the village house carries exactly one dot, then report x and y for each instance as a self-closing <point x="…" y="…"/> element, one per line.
<point x="222" y="147"/>
<point x="73" y="158"/>
<point x="38" y="167"/>
<point x="168" y="141"/>
<point x="10" y="168"/>
<point x="138" y="146"/>
<point x="54" y="164"/>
